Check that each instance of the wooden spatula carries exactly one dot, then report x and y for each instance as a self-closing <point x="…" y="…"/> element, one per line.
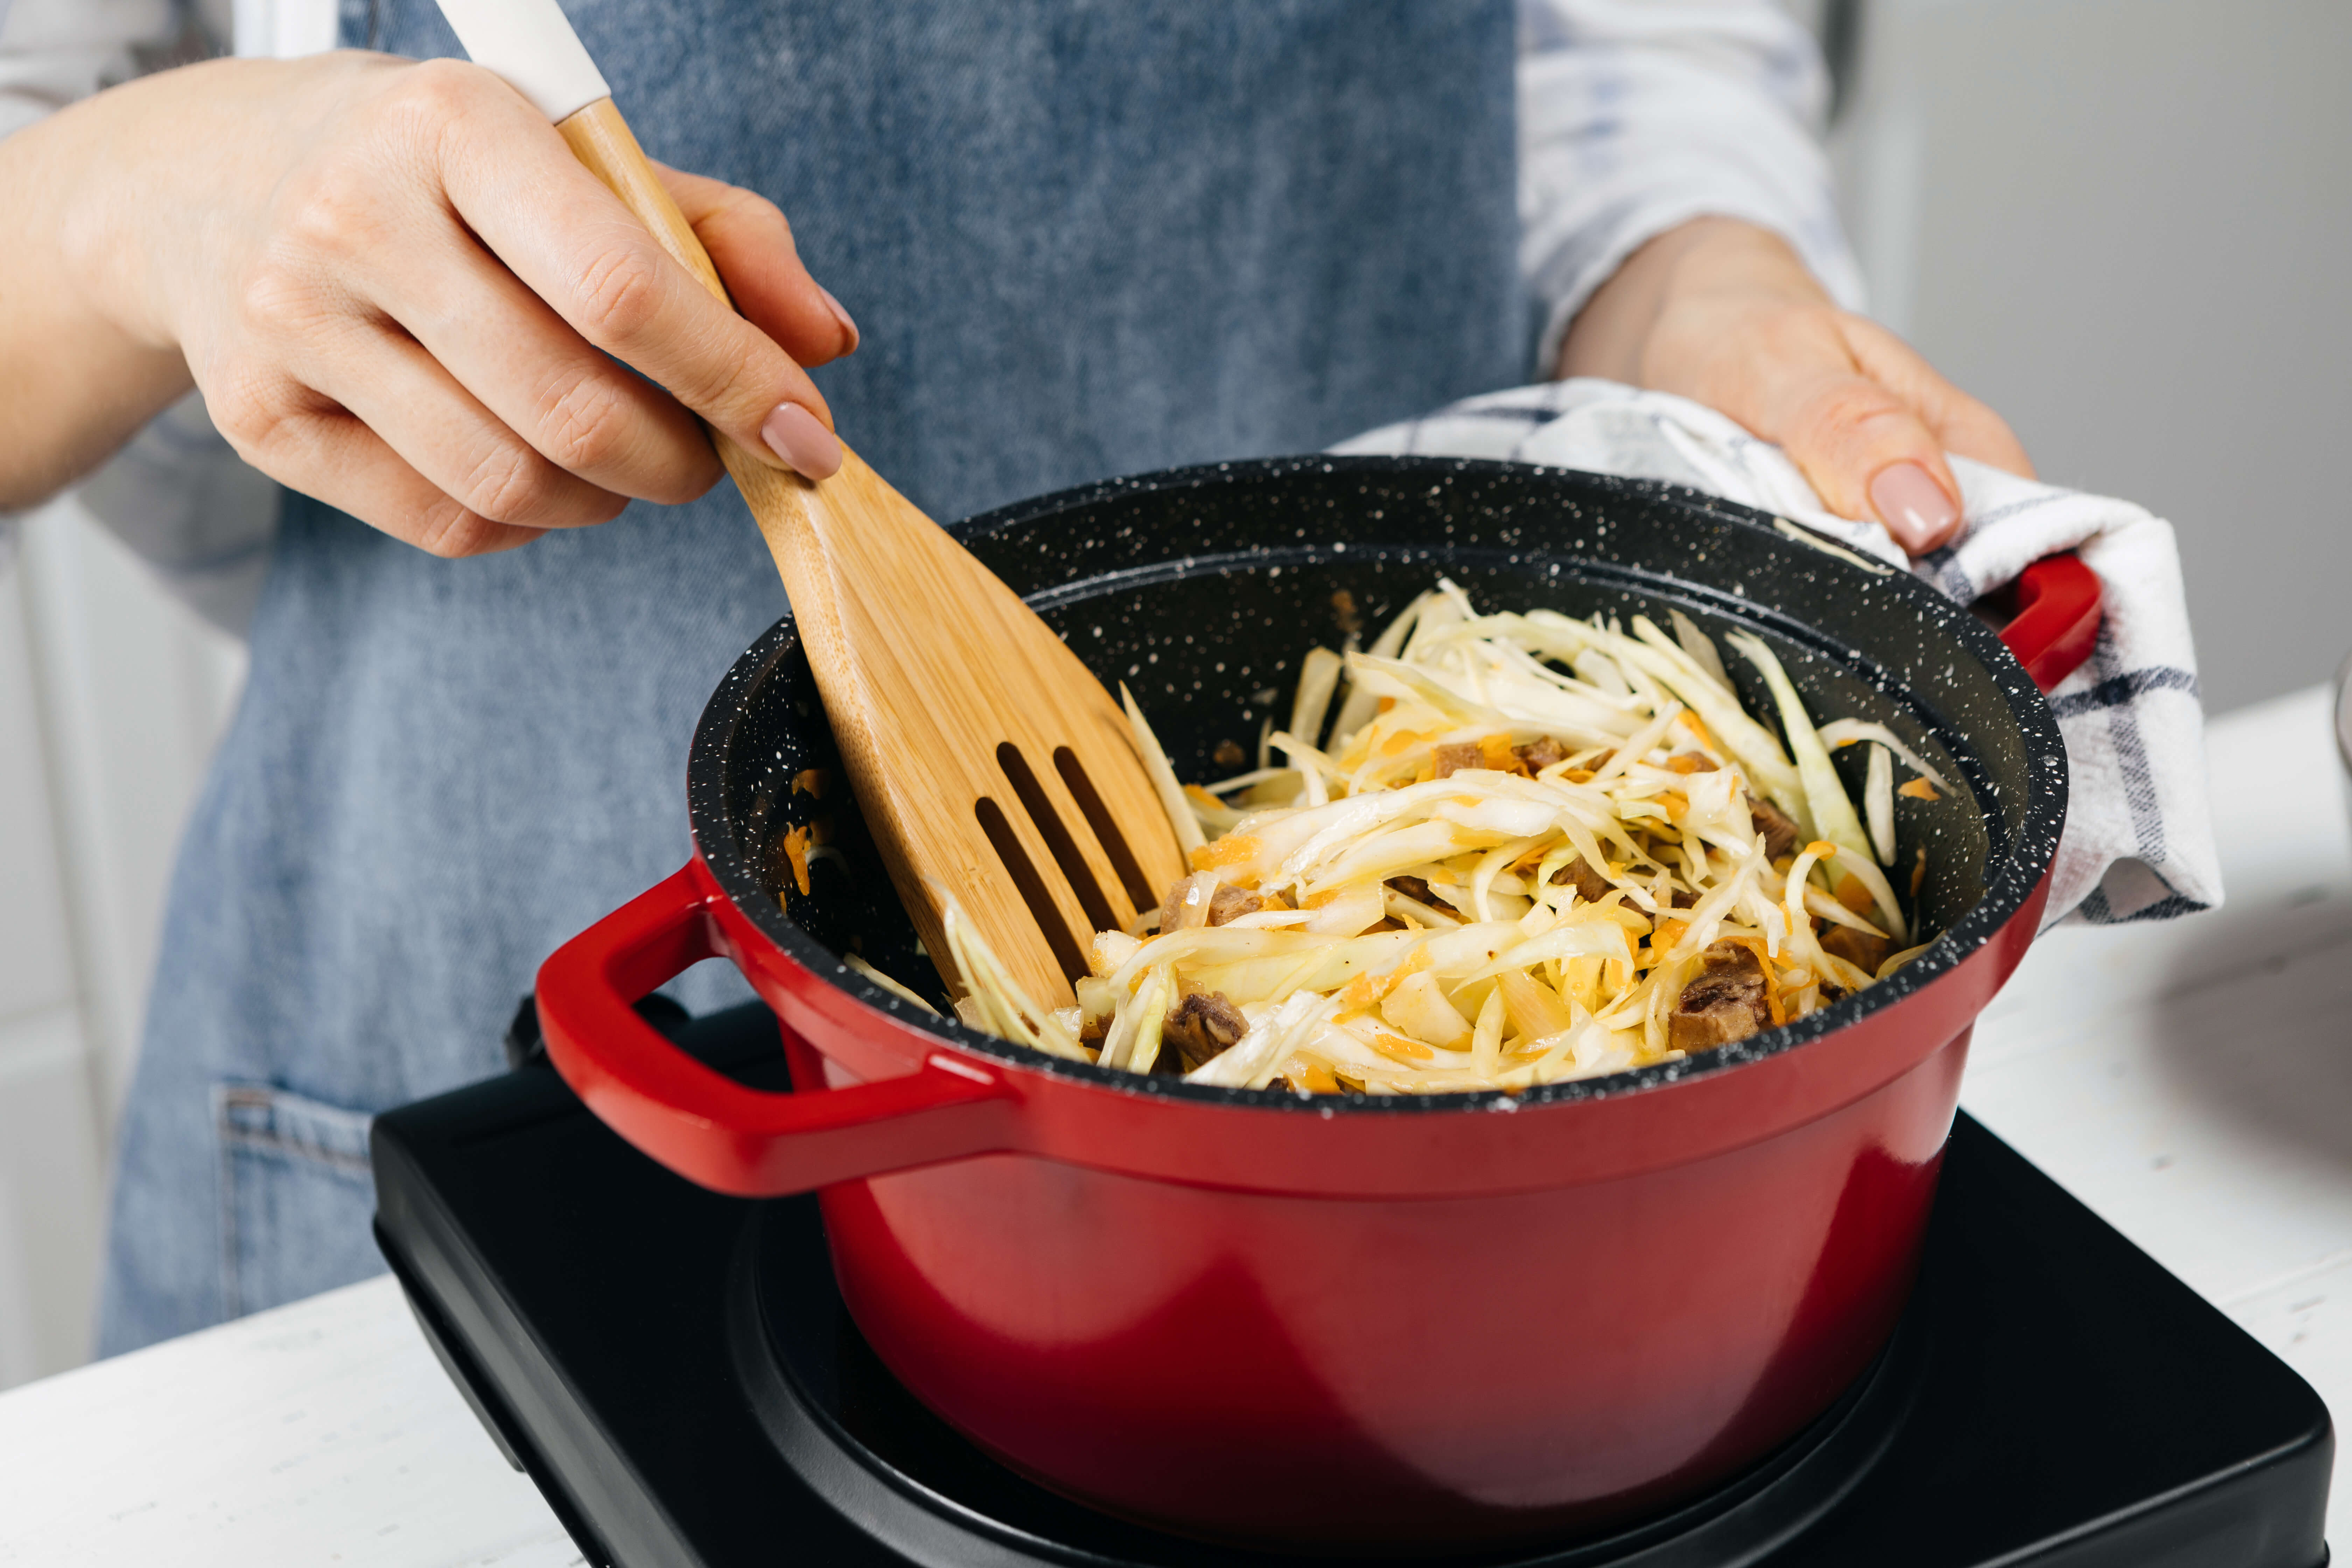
<point x="990" y="765"/>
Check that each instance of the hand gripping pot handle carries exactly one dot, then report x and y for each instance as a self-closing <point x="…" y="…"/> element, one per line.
<point x="704" y="1125"/>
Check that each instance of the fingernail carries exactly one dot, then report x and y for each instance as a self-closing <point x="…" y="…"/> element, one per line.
<point x="794" y="433"/>
<point x="1914" y="507"/>
<point x="848" y="326"/>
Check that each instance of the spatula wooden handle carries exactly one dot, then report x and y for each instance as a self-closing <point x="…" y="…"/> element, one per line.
<point x="605" y="145"/>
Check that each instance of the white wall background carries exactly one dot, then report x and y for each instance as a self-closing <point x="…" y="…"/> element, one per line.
<point x="2124" y="223"/>
<point x="110" y="697"/>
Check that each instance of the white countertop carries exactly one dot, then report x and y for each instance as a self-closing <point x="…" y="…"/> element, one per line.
<point x="2191" y="1081"/>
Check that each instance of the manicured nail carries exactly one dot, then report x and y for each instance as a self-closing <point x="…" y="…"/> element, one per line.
<point x="1914" y="507"/>
<point x="794" y="433"/>
<point x="847" y="326"/>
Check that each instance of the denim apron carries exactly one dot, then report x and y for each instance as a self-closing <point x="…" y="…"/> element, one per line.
<point x="1081" y="237"/>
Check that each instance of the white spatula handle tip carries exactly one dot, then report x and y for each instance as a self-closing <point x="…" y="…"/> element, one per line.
<point x="531" y="45"/>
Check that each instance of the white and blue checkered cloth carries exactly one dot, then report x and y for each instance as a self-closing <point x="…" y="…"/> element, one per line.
<point x="2138" y="844"/>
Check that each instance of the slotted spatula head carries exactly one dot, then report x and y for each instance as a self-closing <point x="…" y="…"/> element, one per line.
<point x="990" y="765"/>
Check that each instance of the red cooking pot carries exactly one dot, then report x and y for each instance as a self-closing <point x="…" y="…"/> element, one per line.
<point x="1351" y="1322"/>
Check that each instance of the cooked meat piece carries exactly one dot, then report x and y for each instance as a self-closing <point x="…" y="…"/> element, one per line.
<point x="1859" y="948"/>
<point x="1591" y="885"/>
<point x="1199" y="1028"/>
<point x="1778" y="828"/>
<point x="1172" y="908"/>
<point x="1731" y="955"/>
<point x="1724" y="1004"/>
<point x="1690" y="763"/>
<point x="1453" y="759"/>
<point x="1193" y="901"/>
<point x="1539" y="755"/>
<point x="1413" y="887"/>
<point x="1344" y="614"/>
<point x="1182" y="910"/>
<point x="1831" y="993"/>
<point x="1229" y="754"/>
<point x="1683" y="899"/>
<point x="1230" y="903"/>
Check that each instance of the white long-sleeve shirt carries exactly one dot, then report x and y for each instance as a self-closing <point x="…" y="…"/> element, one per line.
<point x="1634" y="116"/>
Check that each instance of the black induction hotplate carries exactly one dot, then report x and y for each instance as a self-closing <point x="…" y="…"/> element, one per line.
<point x="675" y="1371"/>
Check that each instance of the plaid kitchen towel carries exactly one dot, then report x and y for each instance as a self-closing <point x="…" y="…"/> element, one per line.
<point x="2138" y="844"/>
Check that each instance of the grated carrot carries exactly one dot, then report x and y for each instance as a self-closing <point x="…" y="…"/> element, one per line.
<point x="1401" y="1048"/>
<point x="1312" y="1076"/>
<point x="1232" y="849"/>
<point x="1918" y="789"/>
<point x="796" y="843"/>
<point x="1366" y="991"/>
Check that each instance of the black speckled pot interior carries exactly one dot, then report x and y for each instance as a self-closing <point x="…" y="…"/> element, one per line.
<point x="1201" y="587"/>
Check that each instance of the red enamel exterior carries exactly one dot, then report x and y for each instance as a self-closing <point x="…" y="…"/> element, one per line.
<point x="1188" y="1313"/>
<point x="2059" y="608"/>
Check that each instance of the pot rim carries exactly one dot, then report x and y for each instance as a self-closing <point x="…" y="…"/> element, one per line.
<point x="2018" y="870"/>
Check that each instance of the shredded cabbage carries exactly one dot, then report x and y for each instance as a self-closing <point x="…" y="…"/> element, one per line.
<point x="1839" y="732"/>
<point x="1524" y="838"/>
<point x="1878" y="802"/>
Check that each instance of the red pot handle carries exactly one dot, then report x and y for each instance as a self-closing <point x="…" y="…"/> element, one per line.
<point x="704" y="1125"/>
<point x="2057" y="621"/>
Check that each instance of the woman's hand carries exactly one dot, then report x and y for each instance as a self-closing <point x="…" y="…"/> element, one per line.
<point x="1723" y="314"/>
<point x="397" y="289"/>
